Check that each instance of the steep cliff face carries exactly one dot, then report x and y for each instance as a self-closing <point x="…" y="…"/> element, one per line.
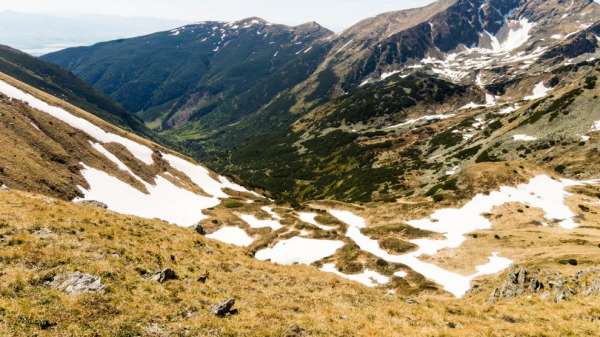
<point x="402" y="40"/>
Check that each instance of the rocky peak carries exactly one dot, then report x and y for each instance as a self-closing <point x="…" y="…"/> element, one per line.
<point x="475" y="30"/>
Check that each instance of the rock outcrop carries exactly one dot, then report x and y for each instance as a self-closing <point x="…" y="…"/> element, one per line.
<point x="164" y="275"/>
<point x="93" y="203"/>
<point x="547" y="284"/>
<point x="77" y="283"/>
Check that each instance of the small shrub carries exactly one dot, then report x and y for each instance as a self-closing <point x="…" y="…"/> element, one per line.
<point x="232" y="204"/>
<point x="560" y="169"/>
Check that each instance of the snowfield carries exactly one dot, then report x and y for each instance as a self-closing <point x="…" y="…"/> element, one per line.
<point x="164" y="201"/>
<point x="540" y="192"/>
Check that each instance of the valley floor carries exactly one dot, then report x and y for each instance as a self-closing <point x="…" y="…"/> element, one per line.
<point x="42" y="238"/>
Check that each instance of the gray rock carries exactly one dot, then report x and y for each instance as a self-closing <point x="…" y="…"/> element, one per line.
<point x="224" y="308"/>
<point x="43" y="233"/>
<point x="164" y="275"/>
<point x="155" y="330"/>
<point x="200" y="229"/>
<point x="513" y="286"/>
<point x="93" y="203"/>
<point x="547" y="284"/>
<point x="77" y="283"/>
<point x="4" y="188"/>
<point x="563" y="294"/>
<point x="295" y="331"/>
<point x="203" y="278"/>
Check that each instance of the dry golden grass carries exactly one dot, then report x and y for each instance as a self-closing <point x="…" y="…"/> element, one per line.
<point x="270" y="298"/>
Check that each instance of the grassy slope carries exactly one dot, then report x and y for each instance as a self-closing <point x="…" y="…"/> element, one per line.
<point x="321" y="157"/>
<point x="58" y="82"/>
<point x="271" y="298"/>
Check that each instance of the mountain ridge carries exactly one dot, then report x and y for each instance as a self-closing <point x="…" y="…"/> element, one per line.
<point x="454" y="193"/>
<point x="501" y="57"/>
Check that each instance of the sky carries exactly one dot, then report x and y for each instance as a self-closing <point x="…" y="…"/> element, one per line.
<point x="333" y="14"/>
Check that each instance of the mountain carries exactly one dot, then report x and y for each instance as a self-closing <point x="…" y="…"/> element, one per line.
<point x="211" y="72"/>
<point x="452" y="194"/>
<point x="88" y="230"/>
<point x="58" y="82"/>
<point x="465" y="34"/>
<point x="333" y="121"/>
<point x="38" y="34"/>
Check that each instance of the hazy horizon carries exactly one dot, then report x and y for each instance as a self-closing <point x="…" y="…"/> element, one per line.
<point x="38" y="27"/>
<point x="333" y="14"/>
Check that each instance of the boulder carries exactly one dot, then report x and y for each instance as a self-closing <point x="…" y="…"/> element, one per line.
<point x="77" y="283"/>
<point x="46" y="324"/>
<point x="93" y="203"/>
<point x="43" y="233"/>
<point x="295" y="331"/>
<point x="200" y="229"/>
<point x="224" y="308"/>
<point x="203" y="278"/>
<point x="164" y="275"/>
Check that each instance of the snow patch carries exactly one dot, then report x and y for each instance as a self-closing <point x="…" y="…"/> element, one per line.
<point x="389" y="74"/>
<point x="254" y="222"/>
<point x="507" y="110"/>
<point x="310" y="218"/>
<point x="141" y="152"/>
<point x="201" y="177"/>
<point x="539" y="91"/>
<point x="368" y="277"/>
<point x="344" y="46"/>
<point x="524" y="138"/>
<point x="299" y="250"/>
<point x="517" y="36"/>
<point x="98" y="147"/>
<point x="270" y="211"/>
<point x="233" y="236"/>
<point x="424" y="118"/>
